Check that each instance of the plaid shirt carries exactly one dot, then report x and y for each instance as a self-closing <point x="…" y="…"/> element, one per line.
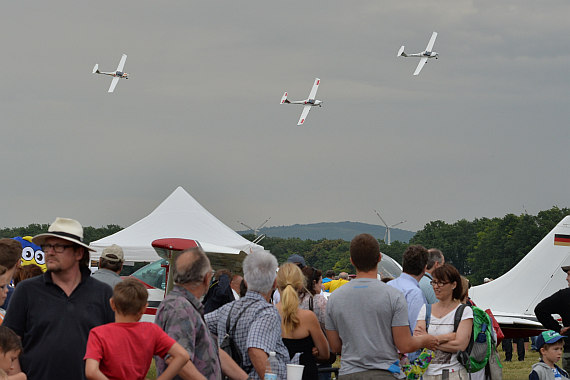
<point x="258" y="327"/>
<point x="180" y="315"/>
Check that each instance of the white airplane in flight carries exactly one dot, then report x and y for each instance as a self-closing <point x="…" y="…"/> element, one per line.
<point x="424" y="55"/>
<point x="308" y="103"/>
<point x="115" y="74"/>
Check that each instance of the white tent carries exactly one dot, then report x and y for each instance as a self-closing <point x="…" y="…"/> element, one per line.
<point x="178" y="216"/>
<point x="537" y="276"/>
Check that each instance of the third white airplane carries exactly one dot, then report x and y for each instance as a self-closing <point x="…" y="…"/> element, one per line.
<point x="424" y="55"/>
<point x="118" y="74"/>
<point x="308" y="103"/>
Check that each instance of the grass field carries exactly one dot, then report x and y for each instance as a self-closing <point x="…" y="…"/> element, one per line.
<point x="513" y="370"/>
<point x="516" y="370"/>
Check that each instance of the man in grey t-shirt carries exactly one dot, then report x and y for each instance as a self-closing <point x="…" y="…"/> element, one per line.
<point x="110" y="266"/>
<point x="367" y="320"/>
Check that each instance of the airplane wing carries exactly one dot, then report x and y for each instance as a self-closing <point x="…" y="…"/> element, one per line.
<point x="431" y="41"/>
<point x="122" y="63"/>
<point x="314" y="89"/>
<point x="304" y="114"/>
<point x="113" y="84"/>
<point x="420" y="66"/>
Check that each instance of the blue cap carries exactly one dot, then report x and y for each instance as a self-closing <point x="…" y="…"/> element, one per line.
<point x="297" y="259"/>
<point x="549" y="337"/>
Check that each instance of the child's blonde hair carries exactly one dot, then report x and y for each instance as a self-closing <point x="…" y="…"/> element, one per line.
<point x="130" y="296"/>
<point x="290" y="281"/>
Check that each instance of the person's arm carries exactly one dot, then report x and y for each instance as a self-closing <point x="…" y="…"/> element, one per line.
<point x="189" y="371"/>
<point x="420" y="328"/>
<point x="405" y="342"/>
<point x="258" y="358"/>
<point x="318" y="336"/>
<point x="533" y="376"/>
<point x="230" y="368"/>
<point x="334" y="341"/>
<point x="179" y="357"/>
<point x="92" y="371"/>
<point x="548" y="306"/>
<point x="460" y="340"/>
<point x="18" y="376"/>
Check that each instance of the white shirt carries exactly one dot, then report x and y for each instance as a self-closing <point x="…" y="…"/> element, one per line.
<point x="439" y="326"/>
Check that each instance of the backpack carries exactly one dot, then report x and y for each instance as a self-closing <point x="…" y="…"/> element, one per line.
<point x="228" y="343"/>
<point x="481" y="353"/>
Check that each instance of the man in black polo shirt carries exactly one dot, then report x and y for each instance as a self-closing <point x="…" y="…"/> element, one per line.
<point x="558" y="303"/>
<point x="53" y="313"/>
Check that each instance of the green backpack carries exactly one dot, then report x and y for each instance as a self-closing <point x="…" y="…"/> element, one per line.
<point x="477" y="354"/>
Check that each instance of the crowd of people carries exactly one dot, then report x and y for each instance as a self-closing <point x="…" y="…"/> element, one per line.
<point x="67" y="323"/>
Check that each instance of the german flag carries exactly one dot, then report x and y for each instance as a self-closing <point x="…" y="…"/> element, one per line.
<point x="560" y="239"/>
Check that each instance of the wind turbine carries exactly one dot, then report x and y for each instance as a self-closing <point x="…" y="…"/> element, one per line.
<point x="255" y="230"/>
<point x="387" y="232"/>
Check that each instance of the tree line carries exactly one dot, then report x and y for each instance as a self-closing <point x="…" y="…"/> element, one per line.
<point x="486" y="247"/>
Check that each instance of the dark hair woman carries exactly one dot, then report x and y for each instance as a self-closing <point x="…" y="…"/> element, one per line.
<point x="448" y="290"/>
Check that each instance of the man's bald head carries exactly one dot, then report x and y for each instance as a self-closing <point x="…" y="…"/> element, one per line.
<point x="191" y="267"/>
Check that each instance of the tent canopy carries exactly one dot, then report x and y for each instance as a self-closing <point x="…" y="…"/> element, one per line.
<point x="178" y="216"/>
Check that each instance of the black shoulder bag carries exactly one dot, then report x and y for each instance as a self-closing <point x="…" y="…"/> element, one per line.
<point x="228" y="343"/>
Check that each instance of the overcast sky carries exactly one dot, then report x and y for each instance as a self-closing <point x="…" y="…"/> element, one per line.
<point x="483" y="131"/>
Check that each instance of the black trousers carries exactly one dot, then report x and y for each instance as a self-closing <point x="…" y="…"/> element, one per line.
<point x="507" y="345"/>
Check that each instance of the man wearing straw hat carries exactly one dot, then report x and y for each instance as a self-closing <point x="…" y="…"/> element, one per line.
<point x="53" y="313"/>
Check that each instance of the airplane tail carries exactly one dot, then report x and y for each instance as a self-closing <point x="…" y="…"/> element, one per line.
<point x="401" y="52"/>
<point x="96" y="69"/>
<point x="513" y="292"/>
<point x="284" y="99"/>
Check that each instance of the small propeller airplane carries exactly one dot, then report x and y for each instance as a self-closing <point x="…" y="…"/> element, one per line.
<point x="115" y="74"/>
<point x="308" y="103"/>
<point x="424" y="55"/>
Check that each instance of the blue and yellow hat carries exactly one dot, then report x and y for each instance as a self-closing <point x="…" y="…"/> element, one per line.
<point x="549" y="337"/>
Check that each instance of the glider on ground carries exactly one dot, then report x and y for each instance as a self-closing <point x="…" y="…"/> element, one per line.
<point x="118" y="74"/>
<point x="513" y="296"/>
<point x="424" y="55"/>
<point x="308" y="103"/>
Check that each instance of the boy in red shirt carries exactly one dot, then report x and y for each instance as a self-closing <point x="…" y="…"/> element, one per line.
<point x="124" y="349"/>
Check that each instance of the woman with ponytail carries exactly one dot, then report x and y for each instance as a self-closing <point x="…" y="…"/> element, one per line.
<point x="300" y="329"/>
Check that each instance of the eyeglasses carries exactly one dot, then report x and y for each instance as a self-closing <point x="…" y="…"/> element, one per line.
<point x="58" y="248"/>
<point x="438" y="283"/>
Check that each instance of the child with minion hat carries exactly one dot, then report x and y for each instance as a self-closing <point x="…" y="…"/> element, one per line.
<point x="550" y="347"/>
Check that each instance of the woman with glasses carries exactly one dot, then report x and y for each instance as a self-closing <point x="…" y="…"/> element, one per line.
<point x="300" y="329"/>
<point x="448" y="290"/>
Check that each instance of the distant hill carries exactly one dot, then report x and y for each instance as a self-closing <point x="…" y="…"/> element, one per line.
<point x="332" y="231"/>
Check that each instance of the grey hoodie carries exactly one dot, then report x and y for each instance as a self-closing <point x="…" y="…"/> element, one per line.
<point x="542" y="371"/>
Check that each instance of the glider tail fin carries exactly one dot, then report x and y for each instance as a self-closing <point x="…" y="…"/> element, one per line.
<point x="96" y="69"/>
<point x="401" y="52"/>
<point x="284" y="99"/>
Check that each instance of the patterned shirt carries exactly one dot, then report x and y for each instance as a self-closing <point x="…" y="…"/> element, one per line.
<point x="319" y="306"/>
<point x="259" y="327"/>
<point x="180" y="315"/>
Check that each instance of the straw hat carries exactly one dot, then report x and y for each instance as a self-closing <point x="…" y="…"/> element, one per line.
<point x="63" y="228"/>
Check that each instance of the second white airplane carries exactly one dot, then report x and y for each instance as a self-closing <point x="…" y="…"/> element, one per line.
<point x="118" y="74"/>
<point x="424" y="55"/>
<point x="308" y="103"/>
